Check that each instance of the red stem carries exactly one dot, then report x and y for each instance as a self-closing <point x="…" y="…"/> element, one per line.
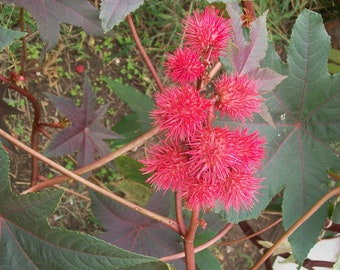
<point x="179" y="214"/>
<point x="189" y="247"/>
<point x="310" y="264"/>
<point x="35" y="125"/>
<point x="247" y="230"/>
<point x="228" y="243"/>
<point x="330" y="226"/>
<point x="144" y="54"/>
<point x="200" y="247"/>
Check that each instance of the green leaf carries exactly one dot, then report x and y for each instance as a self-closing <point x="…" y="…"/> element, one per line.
<point x="306" y="113"/>
<point x="334" y="55"/>
<point x="133" y="186"/>
<point x="334" y="61"/>
<point x="112" y="12"/>
<point x="7" y="36"/>
<point x="135" y="192"/>
<point x="130" y="169"/>
<point x="206" y="259"/>
<point x="5" y="110"/>
<point x="28" y="242"/>
<point x="135" y="124"/>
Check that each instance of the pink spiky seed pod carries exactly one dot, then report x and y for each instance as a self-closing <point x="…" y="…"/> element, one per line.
<point x="238" y="96"/>
<point x="207" y="33"/>
<point x="167" y="162"/>
<point x="184" y="66"/>
<point x="239" y="190"/>
<point x="181" y="111"/>
<point x="215" y="152"/>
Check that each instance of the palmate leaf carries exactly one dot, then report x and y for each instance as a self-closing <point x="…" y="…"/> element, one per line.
<point x="86" y="132"/>
<point x="27" y="241"/>
<point x="305" y="110"/>
<point x="49" y="14"/>
<point x="138" y="122"/>
<point x="135" y="232"/>
<point x="114" y="11"/>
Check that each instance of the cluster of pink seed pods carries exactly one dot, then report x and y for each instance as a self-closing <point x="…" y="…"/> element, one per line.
<point x="203" y="163"/>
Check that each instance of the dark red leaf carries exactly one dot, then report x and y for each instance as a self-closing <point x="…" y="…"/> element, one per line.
<point x="49" y="14"/>
<point x="86" y="133"/>
<point x="135" y="232"/>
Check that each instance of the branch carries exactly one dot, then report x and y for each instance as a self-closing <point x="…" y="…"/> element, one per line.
<point x="296" y="225"/>
<point x="189" y="240"/>
<point x="228" y="243"/>
<point x="164" y="220"/>
<point x="247" y="230"/>
<point x="143" y="53"/>
<point x="179" y="214"/>
<point x="200" y="247"/>
<point x="35" y="125"/>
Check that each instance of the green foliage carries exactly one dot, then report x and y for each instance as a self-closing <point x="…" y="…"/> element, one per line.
<point x="7" y="36"/>
<point x="334" y="58"/>
<point x="205" y="259"/>
<point x="304" y="110"/>
<point x="136" y="123"/>
<point x="306" y="117"/>
<point x="133" y="186"/>
<point x="28" y="242"/>
<point x="111" y="17"/>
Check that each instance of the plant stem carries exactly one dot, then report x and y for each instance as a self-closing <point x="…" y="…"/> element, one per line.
<point x="330" y="226"/>
<point x="164" y="220"/>
<point x="296" y="225"/>
<point x="228" y="243"/>
<point x="310" y="264"/>
<point x="189" y="247"/>
<point x="247" y="230"/>
<point x="35" y="125"/>
<point x="35" y="104"/>
<point x="144" y="54"/>
<point x="200" y="247"/>
<point x="179" y="214"/>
